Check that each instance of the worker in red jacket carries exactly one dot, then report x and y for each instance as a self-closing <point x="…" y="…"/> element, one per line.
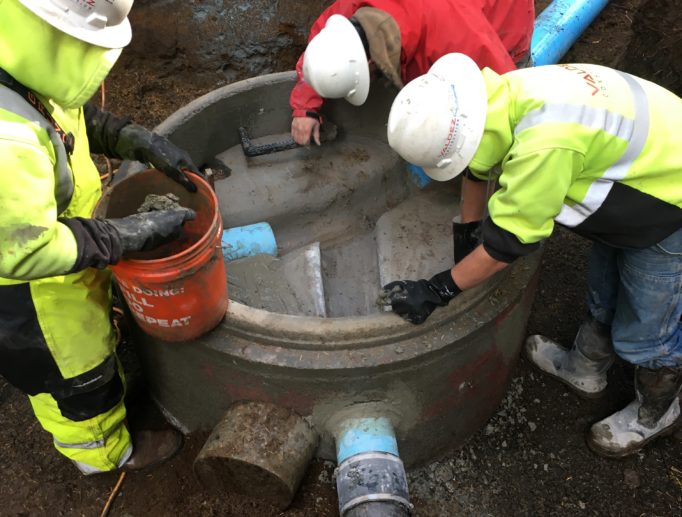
<point x="401" y="39"/>
<point x="353" y="41"/>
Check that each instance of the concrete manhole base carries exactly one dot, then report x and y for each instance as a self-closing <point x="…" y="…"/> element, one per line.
<point x="303" y="331"/>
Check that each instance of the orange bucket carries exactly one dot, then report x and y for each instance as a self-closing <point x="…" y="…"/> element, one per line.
<point x="178" y="291"/>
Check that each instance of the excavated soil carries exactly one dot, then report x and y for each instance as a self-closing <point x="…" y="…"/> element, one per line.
<point x="530" y="459"/>
<point x="654" y="51"/>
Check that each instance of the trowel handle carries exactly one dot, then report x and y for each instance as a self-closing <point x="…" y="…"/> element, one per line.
<point x="328" y="132"/>
<point x="252" y="150"/>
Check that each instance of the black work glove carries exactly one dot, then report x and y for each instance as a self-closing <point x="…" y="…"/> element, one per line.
<point x="414" y="301"/>
<point x="137" y="143"/>
<point x="465" y="238"/>
<point x="143" y="232"/>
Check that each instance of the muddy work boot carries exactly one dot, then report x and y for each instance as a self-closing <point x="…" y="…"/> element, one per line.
<point x="653" y="413"/>
<point x="152" y="448"/>
<point x="582" y="368"/>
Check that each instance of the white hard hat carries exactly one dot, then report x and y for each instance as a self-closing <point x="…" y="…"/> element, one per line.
<point x="335" y="63"/>
<point x="437" y="120"/>
<point x="100" y="22"/>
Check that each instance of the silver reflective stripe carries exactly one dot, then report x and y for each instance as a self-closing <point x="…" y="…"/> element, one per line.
<point x="88" y="469"/>
<point x="15" y="103"/>
<point x="126" y="456"/>
<point x="82" y="385"/>
<point x="640" y="134"/>
<point x="96" y="444"/>
<point x="84" y="445"/>
<point x="634" y="132"/>
<point x="597" y="118"/>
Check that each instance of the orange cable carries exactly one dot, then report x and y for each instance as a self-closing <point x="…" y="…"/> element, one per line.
<point x="107" y="506"/>
<point x="110" y="173"/>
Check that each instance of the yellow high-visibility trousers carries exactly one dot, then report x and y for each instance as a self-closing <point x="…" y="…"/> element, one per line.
<point x="58" y="346"/>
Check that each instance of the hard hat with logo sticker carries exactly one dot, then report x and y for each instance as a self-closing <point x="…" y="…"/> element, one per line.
<point x="335" y="63"/>
<point x="100" y="22"/>
<point x="437" y="120"/>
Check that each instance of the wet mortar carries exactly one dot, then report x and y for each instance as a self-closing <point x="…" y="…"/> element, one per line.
<point x="159" y="202"/>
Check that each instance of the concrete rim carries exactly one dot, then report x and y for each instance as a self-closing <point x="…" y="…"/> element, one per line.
<point x="315" y="332"/>
<point x="309" y="343"/>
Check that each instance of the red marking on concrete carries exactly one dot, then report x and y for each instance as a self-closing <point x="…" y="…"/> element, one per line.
<point x="483" y="379"/>
<point x="296" y="401"/>
<point x="240" y="390"/>
<point x="208" y="371"/>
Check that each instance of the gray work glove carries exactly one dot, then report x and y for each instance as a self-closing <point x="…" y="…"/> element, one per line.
<point x="137" y="143"/>
<point x="414" y="301"/>
<point x="143" y="232"/>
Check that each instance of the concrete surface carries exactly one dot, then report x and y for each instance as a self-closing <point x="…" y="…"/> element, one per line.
<point x="354" y="197"/>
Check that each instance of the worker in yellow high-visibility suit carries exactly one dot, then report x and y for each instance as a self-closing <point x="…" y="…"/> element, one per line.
<point x="56" y="339"/>
<point x="595" y="150"/>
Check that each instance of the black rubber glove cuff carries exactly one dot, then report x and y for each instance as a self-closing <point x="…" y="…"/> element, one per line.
<point x="137" y="143"/>
<point x="315" y="115"/>
<point x="444" y="286"/>
<point x="465" y="238"/>
<point x="98" y="244"/>
<point x="103" y="129"/>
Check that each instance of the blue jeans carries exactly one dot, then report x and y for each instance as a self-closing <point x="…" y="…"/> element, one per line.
<point x="639" y="293"/>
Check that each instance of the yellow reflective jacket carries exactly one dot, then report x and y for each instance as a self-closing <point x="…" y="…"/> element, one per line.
<point x="64" y="73"/>
<point x="585" y="146"/>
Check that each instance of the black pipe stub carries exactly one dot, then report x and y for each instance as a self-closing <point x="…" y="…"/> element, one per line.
<point x="373" y="484"/>
<point x="259" y="450"/>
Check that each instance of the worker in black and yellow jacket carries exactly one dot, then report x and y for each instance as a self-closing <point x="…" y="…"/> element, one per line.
<point x="587" y="147"/>
<point x="56" y="340"/>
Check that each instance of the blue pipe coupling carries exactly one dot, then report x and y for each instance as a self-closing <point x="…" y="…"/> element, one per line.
<point x="359" y="435"/>
<point x="246" y="241"/>
<point x="559" y="26"/>
<point x="373" y="479"/>
<point x="370" y="478"/>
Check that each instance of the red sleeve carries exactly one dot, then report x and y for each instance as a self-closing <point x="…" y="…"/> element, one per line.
<point x="513" y="20"/>
<point x="478" y="38"/>
<point x="443" y="26"/>
<point x="303" y="98"/>
<point x="486" y="49"/>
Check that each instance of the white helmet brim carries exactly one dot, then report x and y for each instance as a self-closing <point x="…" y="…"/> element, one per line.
<point x="114" y="36"/>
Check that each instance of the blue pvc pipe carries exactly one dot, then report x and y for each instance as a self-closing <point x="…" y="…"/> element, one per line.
<point x="246" y="241"/>
<point x="360" y="435"/>
<point x="418" y="176"/>
<point x="559" y="26"/>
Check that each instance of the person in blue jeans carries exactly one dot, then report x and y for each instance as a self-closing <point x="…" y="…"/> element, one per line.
<point x="586" y="147"/>
<point x="634" y="307"/>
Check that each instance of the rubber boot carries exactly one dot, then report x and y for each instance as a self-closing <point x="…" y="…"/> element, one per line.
<point x="653" y="413"/>
<point x="582" y="368"/>
<point x="152" y="448"/>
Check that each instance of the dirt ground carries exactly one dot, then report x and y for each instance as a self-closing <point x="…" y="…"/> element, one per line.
<point x="530" y="459"/>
